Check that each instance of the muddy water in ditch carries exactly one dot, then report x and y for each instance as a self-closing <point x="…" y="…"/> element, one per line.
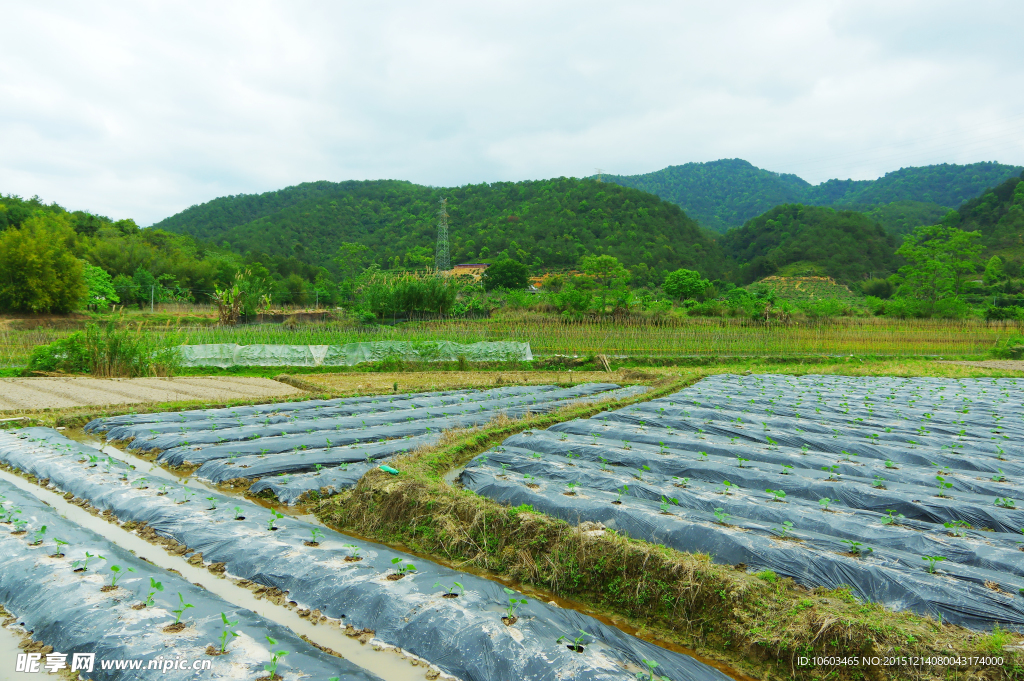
<point x="155" y="470"/>
<point x="384" y="664"/>
<point x="9" y="657"/>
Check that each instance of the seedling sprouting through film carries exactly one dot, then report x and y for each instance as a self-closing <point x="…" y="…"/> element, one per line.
<point x="777" y="493"/>
<point x="785" y="530"/>
<point x="577" y="643"/>
<point x="83" y="565"/>
<point x="227" y="631"/>
<point x="60" y="546"/>
<point x="824" y="502"/>
<point x="650" y="675"/>
<point x="721" y="516"/>
<point x="513" y="605"/>
<point x="274" y="517"/>
<point x="182" y="607"/>
<point x="116" y="573"/>
<point x="275" y="658"/>
<point x="892" y="518"/>
<point x="213" y="503"/>
<point x="37" y="536"/>
<point x="1006" y="502"/>
<point x="154" y="586"/>
<point x="452" y="591"/>
<point x="957" y="527"/>
<point x="932" y="561"/>
<point x="620" y="492"/>
<point x="857" y="548"/>
<point x="402" y="569"/>
<point x="238" y="513"/>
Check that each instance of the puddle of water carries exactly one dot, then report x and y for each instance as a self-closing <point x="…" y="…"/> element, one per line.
<point x="9" y="651"/>
<point x="386" y="665"/>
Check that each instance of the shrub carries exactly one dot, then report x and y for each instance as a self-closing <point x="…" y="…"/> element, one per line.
<point x="111" y="352"/>
<point x="877" y="287"/>
<point x="1011" y="348"/>
<point x="507" y="273"/>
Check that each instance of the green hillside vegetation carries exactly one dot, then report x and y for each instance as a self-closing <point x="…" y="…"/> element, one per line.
<point x="726" y="193"/>
<point x="999" y="215"/>
<point x="847" y="245"/>
<point x="902" y="217"/>
<point x="547" y="224"/>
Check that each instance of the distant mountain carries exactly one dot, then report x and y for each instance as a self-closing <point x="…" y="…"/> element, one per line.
<point x="845" y="244"/>
<point x="547" y="224"/>
<point x="727" y="193"/>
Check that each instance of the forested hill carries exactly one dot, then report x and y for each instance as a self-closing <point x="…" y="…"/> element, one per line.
<point x="548" y="223"/>
<point x="727" y="193"/>
<point x="848" y="245"/>
<point x="999" y="215"/>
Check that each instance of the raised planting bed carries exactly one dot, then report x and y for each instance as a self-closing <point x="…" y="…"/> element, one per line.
<point x="484" y="633"/>
<point x="328" y="444"/>
<point x="906" y="490"/>
<point x="63" y="593"/>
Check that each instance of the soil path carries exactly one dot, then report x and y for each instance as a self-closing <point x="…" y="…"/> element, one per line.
<point x="1006" y="364"/>
<point x="61" y="393"/>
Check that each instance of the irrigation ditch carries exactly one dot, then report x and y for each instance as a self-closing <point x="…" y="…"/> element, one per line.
<point x="626" y="565"/>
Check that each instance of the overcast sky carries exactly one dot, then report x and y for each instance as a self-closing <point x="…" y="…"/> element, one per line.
<point x="141" y="109"/>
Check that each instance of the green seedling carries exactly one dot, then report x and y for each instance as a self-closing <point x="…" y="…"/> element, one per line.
<point x="857" y="548"/>
<point x="626" y="445"/>
<point x="999" y="477"/>
<point x="275" y="658"/>
<point x="402" y="570"/>
<point x="450" y="591"/>
<point x="154" y="586"/>
<point x="726" y="486"/>
<point x="932" y="561"/>
<point x="529" y="478"/>
<point x="577" y="643"/>
<point x="1005" y="502"/>
<point x="943" y="485"/>
<point x="140" y="481"/>
<point x="19" y="524"/>
<point x="680" y="482"/>
<point x="227" y="632"/>
<point x="649" y="675"/>
<point x="316" y="534"/>
<point x="186" y="494"/>
<point x="702" y="456"/>
<point x="570" y="487"/>
<point x="664" y="505"/>
<point x="957" y="527"/>
<point x="890" y="464"/>
<point x="740" y="460"/>
<point x="355" y="549"/>
<point x="37" y="536"/>
<point x="535" y="455"/>
<point x="620" y="492"/>
<point x="318" y="467"/>
<point x="604" y="463"/>
<point x="847" y="455"/>
<point x="784" y="531"/>
<point x="182" y="607"/>
<point x="213" y="503"/>
<point x="824" y="502"/>
<point x="772" y="444"/>
<point x="639" y="475"/>
<point x="60" y="546"/>
<point x="779" y="494"/>
<point x="879" y="482"/>
<point x="274" y="517"/>
<point x="804" y="448"/>
<point x="238" y="513"/>
<point x="786" y="468"/>
<point x="721" y="516"/>
<point x="833" y="472"/>
<point x="83" y="565"/>
<point x="116" y="574"/>
<point x="513" y="604"/>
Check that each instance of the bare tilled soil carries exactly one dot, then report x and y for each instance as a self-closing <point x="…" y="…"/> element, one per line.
<point x="49" y="393"/>
<point x="1006" y="364"/>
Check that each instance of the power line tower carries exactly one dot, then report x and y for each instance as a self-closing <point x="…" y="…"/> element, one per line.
<point x="599" y="173"/>
<point x="442" y="260"/>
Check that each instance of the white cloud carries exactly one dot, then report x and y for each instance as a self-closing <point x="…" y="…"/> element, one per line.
<point x="140" y="109"/>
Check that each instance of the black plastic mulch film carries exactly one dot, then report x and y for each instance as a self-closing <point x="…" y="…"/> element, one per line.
<point x="908" y="491"/>
<point x="67" y="610"/>
<point x="328" y="445"/>
<point x="463" y="636"/>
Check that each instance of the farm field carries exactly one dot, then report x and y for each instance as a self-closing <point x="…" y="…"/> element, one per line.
<point x="908" y="491"/>
<point x="553" y="335"/>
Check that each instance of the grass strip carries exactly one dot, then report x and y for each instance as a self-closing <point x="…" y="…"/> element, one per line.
<point x="759" y="624"/>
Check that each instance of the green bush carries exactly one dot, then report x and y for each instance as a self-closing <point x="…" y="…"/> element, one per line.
<point x="110" y="352"/>
<point x="993" y="313"/>
<point x="1011" y="348"/>
<point x="879" y="288"/>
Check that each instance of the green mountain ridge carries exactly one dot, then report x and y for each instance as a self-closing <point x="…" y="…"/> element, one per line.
<point x="547" y="224"/>
<point x="726" y="193"/>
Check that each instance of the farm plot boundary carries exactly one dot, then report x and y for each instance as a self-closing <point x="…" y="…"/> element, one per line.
<point x="755" y="623"/>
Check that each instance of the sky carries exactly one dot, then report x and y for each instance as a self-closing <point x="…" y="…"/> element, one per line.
<point x="141" y="109"/>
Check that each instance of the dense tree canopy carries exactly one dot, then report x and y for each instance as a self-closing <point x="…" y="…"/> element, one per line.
<point x="726" y="193"/>
<point x="847" y="244"/>
<point x="548" y="224"/>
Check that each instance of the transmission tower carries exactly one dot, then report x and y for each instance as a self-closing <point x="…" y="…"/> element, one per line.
<point x="599" y="173"/>
<point x="442" y="261"/>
